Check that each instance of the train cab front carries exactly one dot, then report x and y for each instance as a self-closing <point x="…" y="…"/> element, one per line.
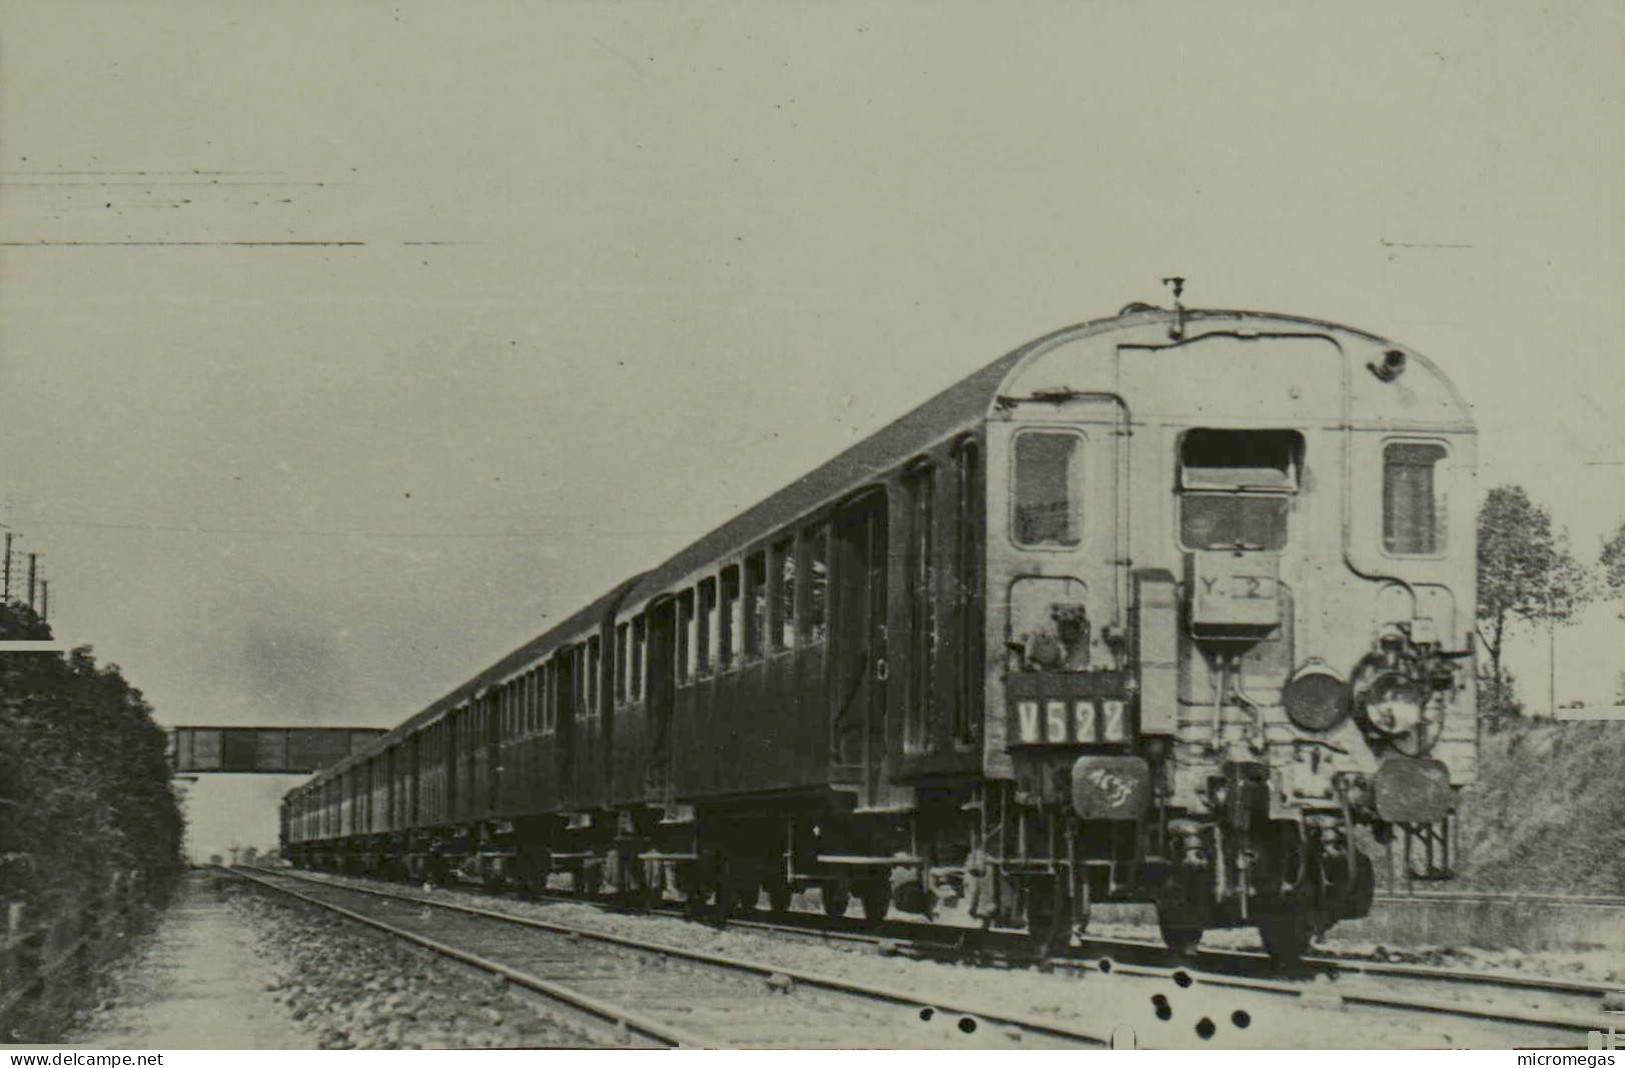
<point x="1236" y="630"/>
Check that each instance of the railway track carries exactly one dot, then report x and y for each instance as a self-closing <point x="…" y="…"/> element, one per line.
<point x="1579" y="1000"/>
<point x="1502" y="897"/>
<point x="1548" y="1004"/>
<point x="1528" y="1010"/>
<point x="657" y="994"/>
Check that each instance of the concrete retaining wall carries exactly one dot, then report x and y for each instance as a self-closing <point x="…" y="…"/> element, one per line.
<point x="1492" y="923"/>
<point x="1487" y="922"/>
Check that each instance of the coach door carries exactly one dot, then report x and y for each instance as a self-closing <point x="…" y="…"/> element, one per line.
<point x="565" y="681"/>
<point x="858" y="668"/>
<point x="661" y="694"/>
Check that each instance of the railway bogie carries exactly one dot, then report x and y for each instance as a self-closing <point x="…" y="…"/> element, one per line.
<point x="1159" y="608"/>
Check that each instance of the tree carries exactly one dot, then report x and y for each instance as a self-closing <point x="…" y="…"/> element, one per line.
<point x="1613" y="569"/>
<point x="1526" y="573"/>
<point x="84" y="778"/>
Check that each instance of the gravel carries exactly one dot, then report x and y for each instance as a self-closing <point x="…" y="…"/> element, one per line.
<point x="1596" y="965"/>
<point x="357" y="989"/>
<point x="1089" y="1000"/>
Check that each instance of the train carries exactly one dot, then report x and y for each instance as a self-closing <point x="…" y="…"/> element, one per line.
<point x="1172" y="607"/>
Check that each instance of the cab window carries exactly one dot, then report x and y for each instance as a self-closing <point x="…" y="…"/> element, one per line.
<point x="1047" y="508"/>
<point x="1236" y="488"/>
<point x="1413" y="510"/>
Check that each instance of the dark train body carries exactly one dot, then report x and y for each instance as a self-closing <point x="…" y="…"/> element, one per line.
<point x="1161" y="607"/>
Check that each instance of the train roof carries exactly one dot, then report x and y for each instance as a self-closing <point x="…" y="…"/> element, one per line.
<point x="960" y="406"/>
<point x="581" y="621"/>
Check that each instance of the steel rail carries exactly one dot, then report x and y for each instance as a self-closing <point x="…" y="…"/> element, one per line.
<point x="1396" y="970"/>
<point x="1501" y="897"/>
<point x="820" y="980"/>
<point x="1497" y="1014"/>
<point x="1291" y="989"/>
<point x="1285" y="988"/>
<point x="629" y="1019"/>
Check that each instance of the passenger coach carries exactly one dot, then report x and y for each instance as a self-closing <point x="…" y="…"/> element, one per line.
<point x="1161" y="607"/>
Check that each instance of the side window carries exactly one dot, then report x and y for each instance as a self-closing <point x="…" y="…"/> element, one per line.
<point x="592" y="677"/>
<point x="1047" y="490"/>
<point x="620" y="664"/>
<point x="728" y="637"/>
<point x="708" y="625"/>
<point x="1413" y="506"/>
<point x="640" y="638"/>
<point x="550" y="701"/>
<point x="756" y="605"/>
<point x="685" y="635"/>
<point x="533" y="701"/>
<point x="816" y="546"/>
<point x="783" y="623"/>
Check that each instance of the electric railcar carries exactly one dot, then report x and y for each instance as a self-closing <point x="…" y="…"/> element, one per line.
<point x="1159" y="608"/>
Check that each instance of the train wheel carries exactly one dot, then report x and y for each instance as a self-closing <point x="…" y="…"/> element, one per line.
<point x="1182" y="912"/>
<point x="690" y="883"/>
<point x="1049" y="916"/>
<point x="725" y="904"/>
<point x="837" y="895"/>
<point x="875" y="897"/>
<point x="1364" y="889"/>
<point x="779" y="895"/>
<point x="735" y="894"/>
<point x="1286" y="937"/>
<point x="1081" y="908"/>
<point x="1182" y="926"/>
<point x="648" y="885"/>
<point x="1179" y="939"/>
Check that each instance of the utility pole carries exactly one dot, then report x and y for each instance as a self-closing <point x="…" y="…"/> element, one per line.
<point x="33" y="564"/>
<point x="44" y="599"/>
<point x="7" y="595"/>
<point x="1551" y="668"/>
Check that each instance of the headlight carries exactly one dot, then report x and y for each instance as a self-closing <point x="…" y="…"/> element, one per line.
<point x="1393" y="704"/>
<point x="1316" y="699"/>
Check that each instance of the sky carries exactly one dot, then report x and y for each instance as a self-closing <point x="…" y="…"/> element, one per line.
<point x="345" y="345"/>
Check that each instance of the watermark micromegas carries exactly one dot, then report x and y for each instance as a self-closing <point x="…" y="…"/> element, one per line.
<point x="1572" y="1060"/>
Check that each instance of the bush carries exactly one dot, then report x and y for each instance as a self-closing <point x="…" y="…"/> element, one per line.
<point x="1498" y="704"/>
<point x="1547" y="813"/>
<point x="84" y="776"/>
